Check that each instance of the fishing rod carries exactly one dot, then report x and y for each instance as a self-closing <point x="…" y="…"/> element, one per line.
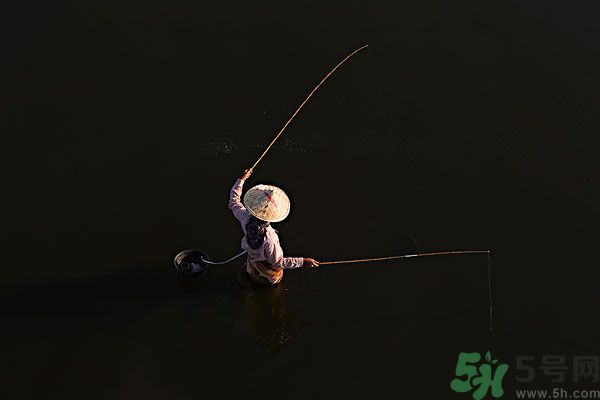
<point x="304" y="102"/>
<point x="439" y="253"/>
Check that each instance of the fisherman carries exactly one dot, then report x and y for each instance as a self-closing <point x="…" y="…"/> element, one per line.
<point x="262" y="205"/>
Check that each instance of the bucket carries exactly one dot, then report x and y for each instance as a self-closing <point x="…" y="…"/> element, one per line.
<point x="190" y="263"/>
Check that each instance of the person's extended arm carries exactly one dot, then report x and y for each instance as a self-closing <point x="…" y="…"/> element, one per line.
<point x="274" y="255"/>
<point x="235" y="202"/>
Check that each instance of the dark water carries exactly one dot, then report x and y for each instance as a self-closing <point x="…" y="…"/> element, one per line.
<point x="129" y="121"/>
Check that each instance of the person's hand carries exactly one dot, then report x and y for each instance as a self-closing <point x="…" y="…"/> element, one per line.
<point x="310" y="263"/>
<point x="246" y="174"/>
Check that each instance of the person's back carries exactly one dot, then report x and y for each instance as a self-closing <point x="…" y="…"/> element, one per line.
<point x="262" y="205"/>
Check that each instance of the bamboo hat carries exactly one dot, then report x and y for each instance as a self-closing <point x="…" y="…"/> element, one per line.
<point x="267" y="203"/>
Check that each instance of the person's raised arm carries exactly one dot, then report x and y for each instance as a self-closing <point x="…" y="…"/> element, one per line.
<point x="235" y="202"/>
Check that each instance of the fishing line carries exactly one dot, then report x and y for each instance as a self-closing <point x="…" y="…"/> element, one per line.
<point x="384" y="110"/>
<point x="378" y="87"/>
<point x="490" y="287"/>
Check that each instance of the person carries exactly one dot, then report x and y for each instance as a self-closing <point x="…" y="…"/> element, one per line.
<point x="263" y="205"/>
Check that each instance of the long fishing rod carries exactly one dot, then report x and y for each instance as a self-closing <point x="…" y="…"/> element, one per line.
<point x="439" y="253"/>
<point x="362" y="260"/>
<point x="304" y="102"/>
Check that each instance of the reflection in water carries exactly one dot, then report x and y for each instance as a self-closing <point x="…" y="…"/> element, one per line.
<point x="274" y="326"/>
<point x="194" y="284"/>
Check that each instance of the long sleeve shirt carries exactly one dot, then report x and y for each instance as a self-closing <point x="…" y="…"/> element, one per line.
<point x="270" y="250"/>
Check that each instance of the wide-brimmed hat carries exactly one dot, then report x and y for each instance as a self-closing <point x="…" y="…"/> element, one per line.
<point x="267" y="203"/>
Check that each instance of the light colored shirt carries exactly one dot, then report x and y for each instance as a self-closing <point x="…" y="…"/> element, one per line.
<point x="270" y="249"/>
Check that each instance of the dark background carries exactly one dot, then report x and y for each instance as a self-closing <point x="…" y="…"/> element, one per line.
<point x="128" y="121"/>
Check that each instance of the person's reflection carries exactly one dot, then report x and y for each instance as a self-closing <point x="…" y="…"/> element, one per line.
<point x="274" y="326"/>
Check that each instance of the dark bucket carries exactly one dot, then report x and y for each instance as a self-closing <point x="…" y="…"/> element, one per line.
<point x="189" y="263"/>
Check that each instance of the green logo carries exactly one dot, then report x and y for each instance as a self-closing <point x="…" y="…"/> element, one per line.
<point x="480" y="376"/>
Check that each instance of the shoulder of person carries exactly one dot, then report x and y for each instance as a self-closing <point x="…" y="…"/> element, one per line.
<point x="271" y="235"/>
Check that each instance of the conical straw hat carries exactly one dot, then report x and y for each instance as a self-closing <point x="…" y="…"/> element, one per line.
<point x="267" y="203"/>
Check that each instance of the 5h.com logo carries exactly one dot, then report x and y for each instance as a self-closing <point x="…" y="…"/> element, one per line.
<point x="479" y="376"/>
